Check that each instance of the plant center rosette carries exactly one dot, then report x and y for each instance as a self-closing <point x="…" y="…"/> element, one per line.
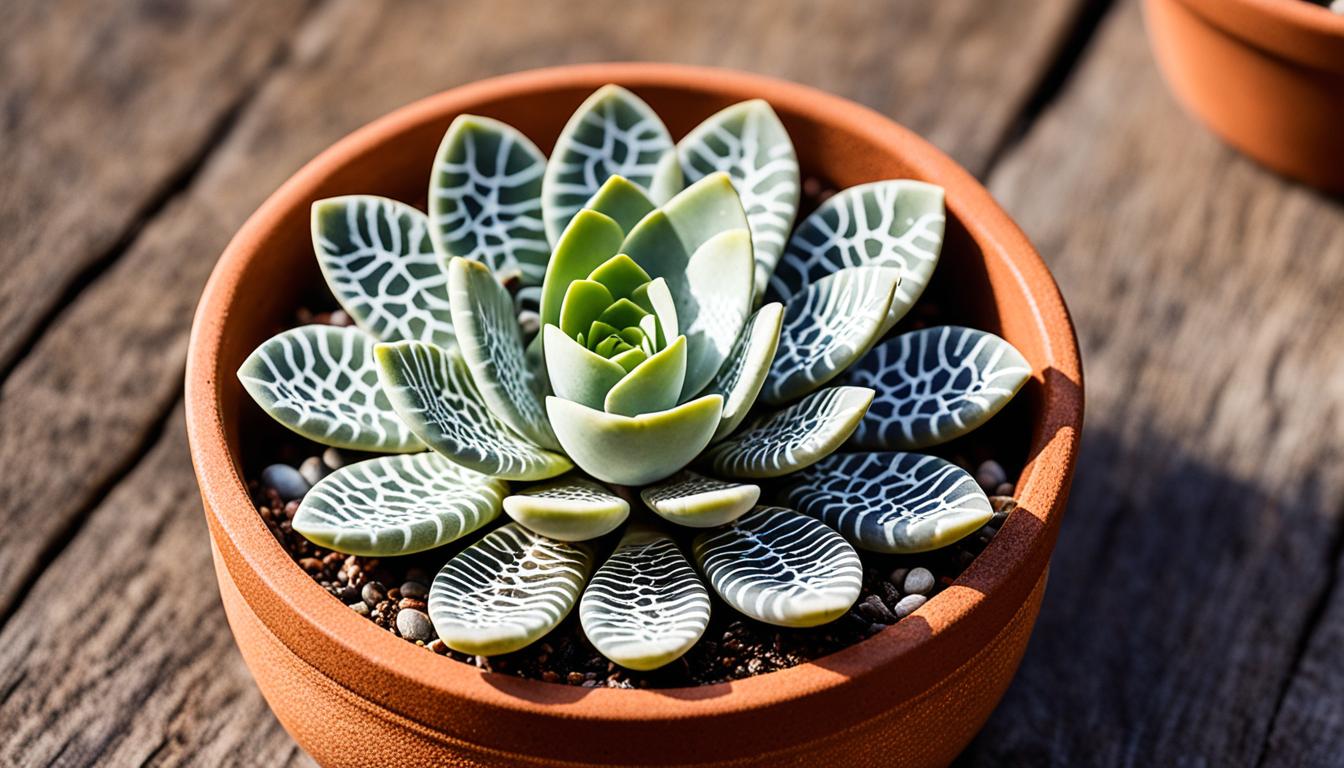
<point x="690" y="346"/>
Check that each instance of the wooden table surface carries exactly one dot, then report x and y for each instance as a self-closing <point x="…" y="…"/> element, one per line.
<point x="1194" y="614"/>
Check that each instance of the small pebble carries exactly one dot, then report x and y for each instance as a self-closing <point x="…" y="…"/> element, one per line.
<point x="286" y="481"/>
<point x="439" y="647"/>
<point x="990" y="475"/>
<point x="897" y="576"/>
<point x="373" y="593"/>
<point x="311" y="564"/>
<point x="909" y="604"/>
<point x="407" y="603"/>
<point x="876" y="611"/>
<point x="341" y="318"/>
<point x="312" y="469"/>
<point x="414" y="590"/>
<point x="919" y="582"/>
<point x="362" y="608"/>
<point x="1005" y="489"/>
<point x="414" y="626"/>
<point x="333" y="459"/>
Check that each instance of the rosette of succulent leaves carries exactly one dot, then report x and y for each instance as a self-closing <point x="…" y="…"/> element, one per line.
<point x="681" y="347"/>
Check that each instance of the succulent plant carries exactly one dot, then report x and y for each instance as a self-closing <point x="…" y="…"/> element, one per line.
<point x="690" y="356"/>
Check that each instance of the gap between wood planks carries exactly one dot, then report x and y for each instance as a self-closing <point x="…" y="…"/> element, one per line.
<point x="1063" y="63"/>
<point x="177" y="184"/>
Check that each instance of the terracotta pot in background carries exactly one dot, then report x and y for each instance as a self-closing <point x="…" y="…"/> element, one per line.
<point x="1266" y="75"/>
<point x="353" y="694"/>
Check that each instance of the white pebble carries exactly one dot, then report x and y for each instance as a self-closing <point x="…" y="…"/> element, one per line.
<point x="414" y="625"/>
<point x="313" y="470"/>
<point x="909" y="604"/>
<point x="918" y="582"/>
<point x="333" y="458"/>
<point x="990" y="475"/>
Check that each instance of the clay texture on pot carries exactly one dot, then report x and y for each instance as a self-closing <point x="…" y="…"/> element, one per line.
<point x="1265" y="75"/>
<point x="352" y="693"/>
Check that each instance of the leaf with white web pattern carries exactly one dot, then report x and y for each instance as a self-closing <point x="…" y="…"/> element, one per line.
<point x="492" y="346"/>
<point x="612" y="133"/>
<point x="645" y="606"/>
<point x="697" y="501"/>
<point x="572" y="508"/>
<point x="896" y="223"/>
<point x="899" y="503"/>
<point x="781" y="567"/>
<point x="748" y="142"/>
<point x="827" y="328"/>
<point x="322" y="382"/>
<point x="507" y="590"/>
<point x="378" y="260"/>
<point x="796" y="437"/>
<point x="637" y="450"/>
<point x="396" y="505"/>
<point x="485" y="198"/>
<point x="935" y="384"/>
<point x="743" y="373"/>
<point x="433" y="393"/>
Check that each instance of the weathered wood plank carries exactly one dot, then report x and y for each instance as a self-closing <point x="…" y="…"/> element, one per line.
<point x="121" y="654"/>
<point x="106" y="105"/>
<point x="1205" y="517"/>
<point x="93" y="389"/>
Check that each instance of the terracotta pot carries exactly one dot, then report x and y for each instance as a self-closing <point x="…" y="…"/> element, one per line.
<point x="353" y="694"/>
<point x="1266" y="75"/>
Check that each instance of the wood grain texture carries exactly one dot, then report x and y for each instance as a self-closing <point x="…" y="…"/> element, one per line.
<point x="121" y="654"/>
<point x="1205" y="521"/>
<point x="93" y="390"/>
<point x="105" y="106"/>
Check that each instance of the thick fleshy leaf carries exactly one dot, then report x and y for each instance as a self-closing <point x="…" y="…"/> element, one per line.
<point x="577" y="373"/>
<point x="895" y="223"/>
<point x="584" y="303"/>
<point x="492" y="346"/>
<point x="434" y="395"/>
<point x="697" y="501"/>
<point x="634" y="451"/>
<point x="485" y="198"/>
<point x="935" y="384"/>
<point x="899" y="503"/>
<point x="827" y="328"/>
<point x="645" y="606"/>
<point x="654" y="296"/>
<point x="623" y="201"/>
<point x="748" y="142"/>
<point x="667" y="178"/>
<point x="621" y="275"/>
<point x="507" y="590"/>
<point x="322" y="382"/>
<point x="396" y="505"/>
<point x="794" y="438"/>
<point x="781" y="567"/>
<point x="568" y="509"/>
<point x="743" y="374"/>
<point x="652" y="386"/>
<point x="378" y="260"/>
<point x="700" y="245"/>
<point x="589" y="241"/>
<point x="613" y="133"/>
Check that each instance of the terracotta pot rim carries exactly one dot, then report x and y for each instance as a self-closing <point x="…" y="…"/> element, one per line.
<point x="1291" y="29"/>
<point x="1010" y="565"/>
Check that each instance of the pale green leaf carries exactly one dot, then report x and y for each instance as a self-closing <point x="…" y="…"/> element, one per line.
<point x="781" y="567"/>
<point x="634" y="450"/>
<point x="934" y="385"/>
<point x="645" y="607"/>
<point x="653" y="385"/>
<point x="397" y="505"/>
<point x="485" y="198"/>
<point x="322" y="382"/>
<point x="623" y="201"/>
<point x="577" y="373"/>
<point x="589" y="241"/>
<point x="794" y="438"/>
<point x="900" y="503"/>
<point x="571" y="508"/>
<point x="743" y="373"/>
<point x="378" y="260"/>
<point x="507" y="590"/>
<point x="697" y="501"/>
<point x="827" y="328"/>
<point x="433" y="393"/>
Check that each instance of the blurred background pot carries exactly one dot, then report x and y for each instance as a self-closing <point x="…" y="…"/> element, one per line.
<point x="353" y="694"/>
<point x="1265" y="75"/>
